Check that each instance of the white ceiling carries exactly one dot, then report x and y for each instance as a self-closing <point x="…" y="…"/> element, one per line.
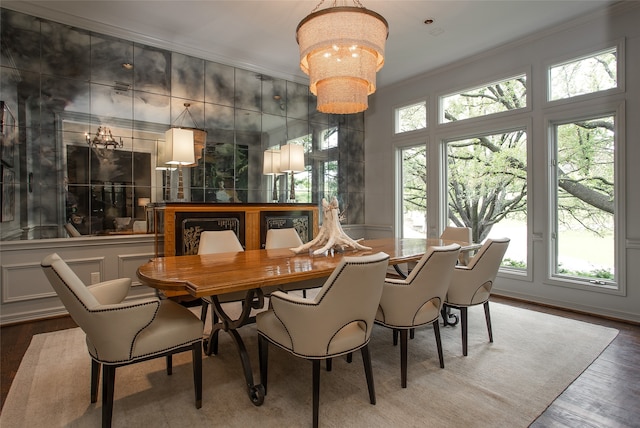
<point x="260" y="34"/>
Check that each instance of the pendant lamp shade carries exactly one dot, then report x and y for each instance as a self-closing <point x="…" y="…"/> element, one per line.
<point x="179" y="149"/>
<point x="341" y="49"/>
<point x="271" y="163"/>
<point x="291" y="158"/>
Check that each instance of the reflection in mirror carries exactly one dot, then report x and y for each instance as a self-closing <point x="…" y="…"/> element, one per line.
<point x="59" y="93"/>
<point x="103" y="182"/>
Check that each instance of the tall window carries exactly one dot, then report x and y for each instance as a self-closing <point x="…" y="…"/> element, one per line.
<point x="487" y="189"/>
<point x="413" y="173"/>
<point x="583" y="230"/>
<point x="330" y="179"/>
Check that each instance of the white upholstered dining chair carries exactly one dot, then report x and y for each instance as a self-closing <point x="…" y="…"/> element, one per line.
<point x="471" y="284"/>
<point x="417" y="300"/>
<point x="212" y="242"/>
<point x="288" y="238"/>
<point x="282" y="238"/>
<point x="337" y="321"/>
<point x="459" y="234"/>
<point x="218" y="241"/>
<point x="122" y="332"/>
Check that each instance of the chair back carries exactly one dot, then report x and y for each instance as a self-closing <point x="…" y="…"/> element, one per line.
<point x="457" y="234"/>
<point x="219" y="241"/>
<point x="471" y="284"/>
<point x="348" y="301"/>
<point x="81" y="304"/>
<point x="73" y="293"/>
<point x="282" y="238"/>
<point x="427" y="287"/>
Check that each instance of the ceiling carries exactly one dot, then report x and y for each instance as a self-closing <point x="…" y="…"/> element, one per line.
<point x="260" y="35"/>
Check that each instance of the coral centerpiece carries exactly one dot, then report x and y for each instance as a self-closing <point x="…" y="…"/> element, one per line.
<point x="331" y="235"/>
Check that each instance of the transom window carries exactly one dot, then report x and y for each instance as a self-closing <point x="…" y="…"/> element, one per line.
<point x="585" y="75"/>
<point x="411" y="117"/>
<point x="501" y="96"/>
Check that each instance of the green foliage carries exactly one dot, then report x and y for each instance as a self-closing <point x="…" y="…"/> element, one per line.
<point x="518" y="264"/>
<point x="598" y="273"/>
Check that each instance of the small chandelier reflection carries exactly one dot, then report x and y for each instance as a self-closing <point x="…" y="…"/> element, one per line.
<point x="104" y="138"/>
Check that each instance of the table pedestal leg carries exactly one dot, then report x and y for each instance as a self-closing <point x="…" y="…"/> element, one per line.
<point x="447" y="316"/>
<point x="254" y="299"/>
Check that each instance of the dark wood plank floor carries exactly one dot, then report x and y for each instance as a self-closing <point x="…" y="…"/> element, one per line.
<point x="607" y="394"/>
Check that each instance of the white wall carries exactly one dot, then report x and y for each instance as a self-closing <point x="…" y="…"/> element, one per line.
<point x="26" y="294"/>
<point x="531" y="54"/>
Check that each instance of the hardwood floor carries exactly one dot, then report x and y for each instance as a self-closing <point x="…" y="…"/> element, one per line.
<point x="607" y="393"/>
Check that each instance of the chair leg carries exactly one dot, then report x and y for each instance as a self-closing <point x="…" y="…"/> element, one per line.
<point x="403" y="357"/>
<point x="463" y="325"/>
<point x="395" y="337"/>
<point x="349" y="357"/>
<point x="329" y="364"/>
<point x="108" y="383"/>
<point x="263" y="356"/>
<point x="436" y="331"/>
<point x="169" y="365"/>
<point x="316" y="392"/>
<point x="95" y="380"/>
<point x="197" y="372"/>
<point x="366" y="359"/>
<point x="487" y="316"/>
<point x="412" y="333"/>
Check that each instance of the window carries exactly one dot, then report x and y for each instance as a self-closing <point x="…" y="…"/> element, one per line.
<point x="413" y="179"/>
<point x="501" y="96"/>
<point x="411" y="118"/>
<point x="583" y="159"/>
<point x="329" y="138"/>
<point x="330" y="179"/>
<point x="487" y="189"/>
<point x="586" y="75"/>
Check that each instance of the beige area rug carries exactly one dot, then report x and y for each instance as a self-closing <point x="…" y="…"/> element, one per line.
<point x="508" y="383"/>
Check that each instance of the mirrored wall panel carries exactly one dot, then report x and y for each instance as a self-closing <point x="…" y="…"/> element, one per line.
<point x="84" y="149"/>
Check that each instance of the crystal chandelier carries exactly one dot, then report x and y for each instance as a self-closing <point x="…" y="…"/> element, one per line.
<point x="103" y="137"/>
<point x="341" y="49"/>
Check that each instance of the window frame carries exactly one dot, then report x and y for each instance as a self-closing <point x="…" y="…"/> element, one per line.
<point x="582" y="111"/>
<point x="619" y="44"/>
<point x="486" y="81"/>
<point x="396" y="123"/>
<point x="500" y="125"/>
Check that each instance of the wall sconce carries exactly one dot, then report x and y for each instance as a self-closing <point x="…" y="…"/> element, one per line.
<point x="292" y="160"/>
<point x="271" y="166"/>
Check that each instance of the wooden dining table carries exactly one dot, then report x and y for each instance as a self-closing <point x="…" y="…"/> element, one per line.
<point x="248" y="275"/>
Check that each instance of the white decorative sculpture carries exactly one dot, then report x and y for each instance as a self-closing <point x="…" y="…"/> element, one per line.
<point x="331" y="235"/>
